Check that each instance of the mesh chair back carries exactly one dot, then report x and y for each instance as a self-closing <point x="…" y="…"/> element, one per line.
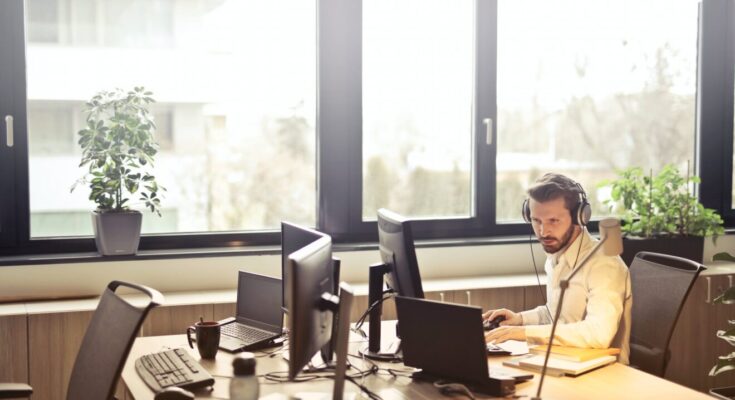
<point x="660" y="285"/>
<point x="107" y="342"/>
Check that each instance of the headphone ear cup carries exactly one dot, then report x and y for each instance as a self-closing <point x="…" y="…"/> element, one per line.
<point x="585" y="213"/>
<point x="526" y="211"/>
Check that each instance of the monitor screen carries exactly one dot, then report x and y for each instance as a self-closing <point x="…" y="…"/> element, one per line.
<point x="293" y="238"/>
<point x="398" y="252"/>
<point x="308" y="276"/>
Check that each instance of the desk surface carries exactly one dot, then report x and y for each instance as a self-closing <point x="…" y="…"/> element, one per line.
<point x="615" y="381"/>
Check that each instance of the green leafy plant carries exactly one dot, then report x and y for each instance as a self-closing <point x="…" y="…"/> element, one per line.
<point x="118" y="148"/>
<point x="726" y="362"/>
<point x="661" y="205"/>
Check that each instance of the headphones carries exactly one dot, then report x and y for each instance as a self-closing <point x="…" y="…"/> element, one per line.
<point x="581" y="213"/>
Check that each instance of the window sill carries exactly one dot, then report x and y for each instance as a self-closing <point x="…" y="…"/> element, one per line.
<point x="143" y="255"/>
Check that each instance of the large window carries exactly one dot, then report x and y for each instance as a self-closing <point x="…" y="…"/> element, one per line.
<point x="235" y="81"/>
<point x="321" y="112"/>
<point x="417" y="107"/>
<point x="588" y="87"/>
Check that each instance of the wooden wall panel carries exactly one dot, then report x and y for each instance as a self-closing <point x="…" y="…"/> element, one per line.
<point x="719" y="315"/>
<point x="694" y="346"/>
<point x="175" y="319"/>
<point x="359" y="305"/>
<point x="490" y="299"/>
<point x="687" y="364"/>
<point x="53" y="343"/>
<point x="533" y="296"/>
<point x="14" y="349"/>
<point x="222" y="311"/>
<point x="447" y="296"/>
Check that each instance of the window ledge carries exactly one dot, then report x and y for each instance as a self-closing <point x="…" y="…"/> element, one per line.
<point x="142" y="255"/>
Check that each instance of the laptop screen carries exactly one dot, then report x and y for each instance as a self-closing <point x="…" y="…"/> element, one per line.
<point x="259" y="301"/>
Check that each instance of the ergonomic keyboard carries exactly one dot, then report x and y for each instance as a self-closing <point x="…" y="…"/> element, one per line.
<point x="172" y="368"/>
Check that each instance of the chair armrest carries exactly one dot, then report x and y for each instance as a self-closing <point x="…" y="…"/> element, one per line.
<point x="14" y="390"/>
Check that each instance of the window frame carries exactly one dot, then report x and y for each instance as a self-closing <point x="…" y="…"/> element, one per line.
<point x="12" y="103"/>
<point x="339" y="137"/>
<point x="339" y="129"/>
<point x="715" y="87"/>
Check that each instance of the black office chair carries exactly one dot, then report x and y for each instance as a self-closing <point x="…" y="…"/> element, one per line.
<point x="105" y="346"/>
<point x="660" y="286"/>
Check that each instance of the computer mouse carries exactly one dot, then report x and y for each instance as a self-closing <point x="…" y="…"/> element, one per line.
<point x="495" y="350"/>
<point x="490" y="325"/>
<point x="174" y="393"/>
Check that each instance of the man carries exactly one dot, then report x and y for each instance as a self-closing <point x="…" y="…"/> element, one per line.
<point x="597" y="304"/>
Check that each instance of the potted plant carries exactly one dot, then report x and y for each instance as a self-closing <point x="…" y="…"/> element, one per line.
<point x="727" y="362"/>
<point x="660" y="213"/>
<point x="118" y="150"/>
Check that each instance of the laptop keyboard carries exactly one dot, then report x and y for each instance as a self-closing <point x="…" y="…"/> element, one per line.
<point x="246" y="333"/>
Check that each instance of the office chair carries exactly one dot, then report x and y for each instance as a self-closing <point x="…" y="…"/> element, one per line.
<point x="660" y="285"/>
<point x="105" y="346"/>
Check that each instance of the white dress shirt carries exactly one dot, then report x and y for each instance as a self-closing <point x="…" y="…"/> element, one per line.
<point x="597" y="304"/>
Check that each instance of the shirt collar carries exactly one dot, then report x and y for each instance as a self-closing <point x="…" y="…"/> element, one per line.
<point x="570" y="254"/>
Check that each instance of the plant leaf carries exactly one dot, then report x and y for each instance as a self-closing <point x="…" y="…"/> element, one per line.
<point x="727" y="297"/>
<point x="723" y="256"/>
<point x="724" y="363"/>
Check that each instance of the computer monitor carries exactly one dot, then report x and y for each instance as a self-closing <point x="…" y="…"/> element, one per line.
<point x="399" y="270"/>
<point x="397" y="251"/>
<point x="312" y="305"/>
<point x="295" y="237"/>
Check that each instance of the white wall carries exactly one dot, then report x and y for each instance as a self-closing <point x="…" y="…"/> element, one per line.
<point x="88" y="279"/>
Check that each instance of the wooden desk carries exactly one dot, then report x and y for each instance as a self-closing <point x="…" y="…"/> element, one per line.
<point x="615" y="381"/>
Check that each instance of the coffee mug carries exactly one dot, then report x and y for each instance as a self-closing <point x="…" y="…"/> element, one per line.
<point x="207" y="336"/>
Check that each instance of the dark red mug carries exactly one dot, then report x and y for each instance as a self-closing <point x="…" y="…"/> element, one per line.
<point x="207" y="335"/>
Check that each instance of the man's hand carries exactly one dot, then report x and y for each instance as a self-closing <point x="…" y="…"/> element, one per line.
<point x="511" y="318"/>
<point x="503" y="333"/>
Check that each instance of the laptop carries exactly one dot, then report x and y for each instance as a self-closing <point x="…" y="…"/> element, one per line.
<point x="259" y="319"/>
<point x="447" y="341"/>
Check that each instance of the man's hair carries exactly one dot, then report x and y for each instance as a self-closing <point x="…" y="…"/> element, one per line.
<point x="552" y="186"/>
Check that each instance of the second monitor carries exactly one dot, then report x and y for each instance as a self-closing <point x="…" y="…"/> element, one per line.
<point x="312" y="306"/>
<point x="399" y="270"/>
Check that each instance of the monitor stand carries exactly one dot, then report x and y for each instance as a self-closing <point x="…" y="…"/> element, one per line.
<point x="342" y="306"/>
<point x="375" y="299"/>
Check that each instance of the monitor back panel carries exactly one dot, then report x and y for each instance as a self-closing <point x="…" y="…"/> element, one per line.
<point x="443" y="339"/>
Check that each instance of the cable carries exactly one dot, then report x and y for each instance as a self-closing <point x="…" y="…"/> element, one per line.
<point x="361" y="320"/>
<point x="535" y="269"/>
<point x="448" y="388"/>
<point x="370" y="394"/>
<point x="274" y="352"/>
<point x="574" y="266"/>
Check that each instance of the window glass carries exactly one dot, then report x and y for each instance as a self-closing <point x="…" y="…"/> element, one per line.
<point x="417" y="107"/>
<point x="235" y="87"/>
<point x="586" y="87"/>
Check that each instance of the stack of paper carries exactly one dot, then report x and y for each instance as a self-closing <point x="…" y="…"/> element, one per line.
<point x="574" y="353"/>
<point x="565" y="360"/>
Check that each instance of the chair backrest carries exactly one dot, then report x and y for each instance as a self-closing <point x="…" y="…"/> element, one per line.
<point x="107" y="342"/>
<point x="660" y="285"/>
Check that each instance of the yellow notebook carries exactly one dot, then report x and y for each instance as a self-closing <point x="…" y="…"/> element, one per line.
<point x="575" y="353"/>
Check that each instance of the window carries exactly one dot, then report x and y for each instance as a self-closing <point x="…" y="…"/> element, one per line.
<point x="109" y="23"/>
<point x="588" y="87"/>
<point x="322" y="112"/>
<point x="237" y="139"/>
<point x="715" y="85"/>
<point x="417" y="107"/>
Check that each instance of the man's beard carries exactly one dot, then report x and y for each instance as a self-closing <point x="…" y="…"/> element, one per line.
<point x="565" y="239"/>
